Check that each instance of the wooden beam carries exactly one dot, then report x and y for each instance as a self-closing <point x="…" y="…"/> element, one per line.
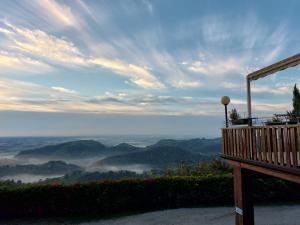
<point x="249" y="103"/>
<point x="243" y="195"/>
<point x="281" y="65"/>
<point x="285" y="175"/>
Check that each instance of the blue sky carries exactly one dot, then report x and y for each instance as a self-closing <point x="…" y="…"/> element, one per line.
<point x="156" y="67"/>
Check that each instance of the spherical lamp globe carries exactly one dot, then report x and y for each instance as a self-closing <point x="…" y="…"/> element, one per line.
<point x="225" y="100"/>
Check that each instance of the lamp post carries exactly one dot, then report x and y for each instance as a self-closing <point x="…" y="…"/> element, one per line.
<point x="225" y="100"/>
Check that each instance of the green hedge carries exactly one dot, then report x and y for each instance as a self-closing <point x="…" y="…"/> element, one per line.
<point x="114" y="196"/>
<point x="111" y="197"/>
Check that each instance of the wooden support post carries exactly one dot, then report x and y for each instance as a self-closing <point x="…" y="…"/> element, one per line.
<point x="243" y="194"/>
<point x="249" y="103"/>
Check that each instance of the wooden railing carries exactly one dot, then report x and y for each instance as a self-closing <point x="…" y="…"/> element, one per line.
<point x="277" y="145"/>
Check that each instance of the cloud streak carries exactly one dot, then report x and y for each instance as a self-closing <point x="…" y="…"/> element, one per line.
<point x="57" y="50"/>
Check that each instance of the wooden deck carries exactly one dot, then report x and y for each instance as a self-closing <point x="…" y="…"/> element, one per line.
<point x="270" y="146"/>
<point x="270" y="150"/>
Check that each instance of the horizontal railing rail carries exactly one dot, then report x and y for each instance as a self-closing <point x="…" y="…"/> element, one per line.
<point x="277" y="145"/>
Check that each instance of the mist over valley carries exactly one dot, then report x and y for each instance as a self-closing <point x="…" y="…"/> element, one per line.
<point x="23" y="159"/>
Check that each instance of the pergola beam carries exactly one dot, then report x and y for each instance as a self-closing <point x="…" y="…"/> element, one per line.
<point x="281" y="65"/>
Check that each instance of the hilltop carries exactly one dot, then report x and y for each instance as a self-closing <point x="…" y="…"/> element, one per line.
<point x="156" y="156"/>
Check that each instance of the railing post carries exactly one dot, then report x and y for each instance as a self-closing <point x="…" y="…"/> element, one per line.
<point x="243" y="195"/>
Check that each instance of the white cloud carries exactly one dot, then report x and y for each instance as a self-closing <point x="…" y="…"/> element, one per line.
<point x="20" y="63"/>
<point x="58" y="13"/>
<point x="218" y="66"/>
<point x="64" y="90"/>
<point x="138" y="75"/>
<point x="25" y="96"/>
<point x="231" y="85"/>
<point x="41" y="44"/>
<point x="273" y="90"/>
<point x="272" y="108"/>
<point x="187" y="84"/>
<point x="58" y="50"/>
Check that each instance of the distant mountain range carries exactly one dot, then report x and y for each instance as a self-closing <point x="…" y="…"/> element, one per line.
<point x="49" y="168"/>
<point x="164" y="153"/>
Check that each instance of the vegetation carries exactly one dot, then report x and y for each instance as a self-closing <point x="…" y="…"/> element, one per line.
<point x="157" y="157"/>
<point x="296" y="101"/>
<point x="115" y="196"/>
<point x="86" y="177"/>
<point x="208" y="184"/>
<point x="73" y="149"/>
<point x="234" y="115"/>
<point x="276" y="120"/>
<point x="196" y="145"/>
<point x="91" y="149"/>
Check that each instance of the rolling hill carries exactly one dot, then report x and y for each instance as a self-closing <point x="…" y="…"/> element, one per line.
<point x="67" y="150"/>
<point x="197" y="145"/>
<point x="164" y="153"/>
<point x="159" y="156"/>
<point x="77" y="150"/>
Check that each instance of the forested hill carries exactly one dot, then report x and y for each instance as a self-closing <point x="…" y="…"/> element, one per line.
<point x="159" y="156"/>
<point x="196" y="145"/>
<point x="73" y="149"/>
<point x="90" y="148"/>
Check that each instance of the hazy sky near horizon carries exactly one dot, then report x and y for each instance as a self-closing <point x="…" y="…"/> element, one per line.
<point x="140" y="66"/>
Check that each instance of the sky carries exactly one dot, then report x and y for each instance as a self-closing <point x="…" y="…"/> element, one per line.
<point x="155" y="67"/>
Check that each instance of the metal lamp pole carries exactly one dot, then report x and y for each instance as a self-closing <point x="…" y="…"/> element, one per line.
<point x="225" y="100"/>
<point x="226" y="116"/>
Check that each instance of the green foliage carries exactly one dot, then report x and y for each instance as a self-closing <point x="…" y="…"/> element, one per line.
<point x="102" y="198"/>
<point x="234" y="115"/>
<point x="115" y="197"/>
<point x="73" y="149"/>
<point x="86" y="177"/>
<point x="158" y="157"/>
<point x="296" y="101"/>
<point x="196" y="145"/>
<point x="214" y="167"/>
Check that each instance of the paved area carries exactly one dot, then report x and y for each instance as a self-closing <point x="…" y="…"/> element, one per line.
<point x="264" y="215"/>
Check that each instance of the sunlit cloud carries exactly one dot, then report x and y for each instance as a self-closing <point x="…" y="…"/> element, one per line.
<point x="41" y="44"/>
<point x="64" y="90"/>
<point x="58" y="13"/>
<point x="138" y="75"/>
<point x="19" y="63"/>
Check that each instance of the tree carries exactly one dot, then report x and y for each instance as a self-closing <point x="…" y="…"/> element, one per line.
<point x="296" y="101"/>
<point x="234" y="115"/>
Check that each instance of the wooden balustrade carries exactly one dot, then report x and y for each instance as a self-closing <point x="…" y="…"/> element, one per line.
<point x="277" y="145"/>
